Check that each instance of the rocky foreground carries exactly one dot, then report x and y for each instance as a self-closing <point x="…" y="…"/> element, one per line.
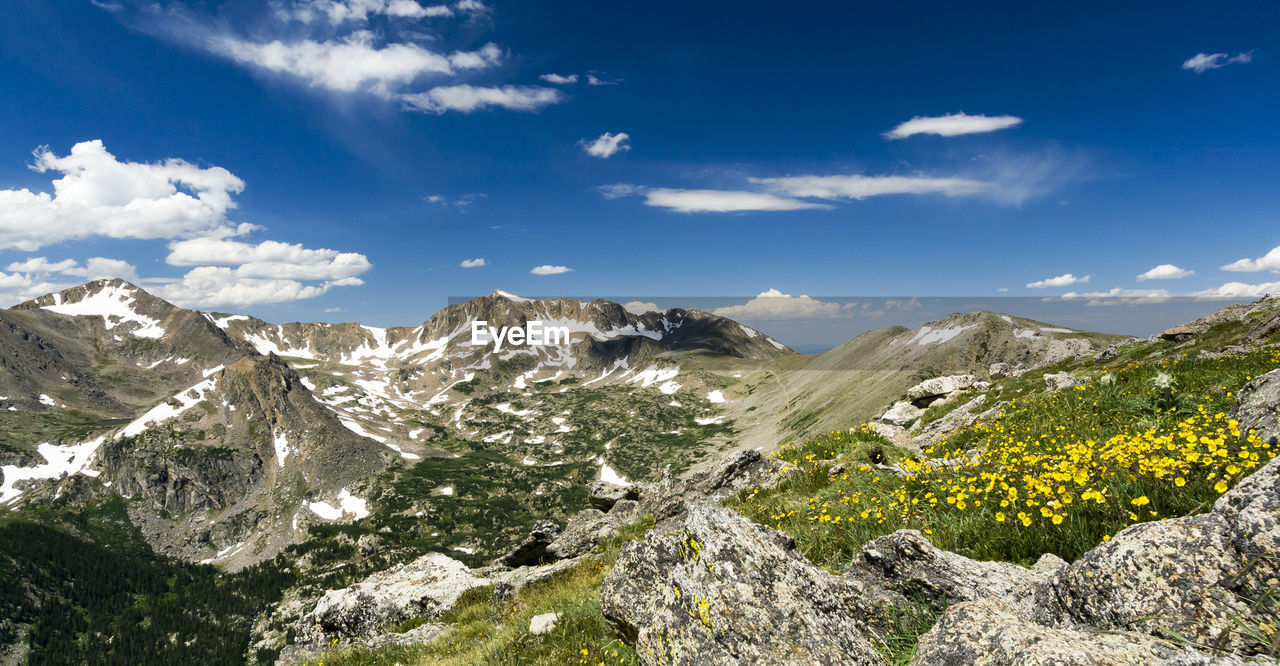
<point x="708" y="586"/>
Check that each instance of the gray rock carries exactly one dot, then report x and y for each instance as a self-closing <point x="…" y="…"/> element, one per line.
<point x="603" y="495"/>
<point x="901" y="414"/>
<point x="1258" y="406"/>
<point x="905" y="565"/>
<point x="540" y="625"/>
<point x="1002" y="370"/>
<point x="896" y="434"/>
<point x="668" y="499"/>
<point x="1061" y="380"/>
<point x="1195" y="576"/>
<point x="423" y="588"/>
<point x="963" y="416"/>
<point x="295" y="654"/>
<point x="369" y="544"/>
<point x="534" y="549"/>
<point x="728" y="591"/>
<point x="940" y="386"/>
<point x="507" y="584"/>
<point x="988" y="631"/>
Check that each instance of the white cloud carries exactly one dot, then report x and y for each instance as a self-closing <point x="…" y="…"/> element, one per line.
<point x="1166" y="272"/>
<point x="1059" y="281"/>
<point x="640" y="307"/>
<point x="952" y="124"/>
<point x="99" y="195"/>
<point x="861" y="187"/>
<point x="1117" y="296"/>
<point x="1240" y="290"/>
<point x="338" y="12"/>
<point x="467" y="98"/>
<point x="334" y="310"/>
<point x="559" y="79"/>
<point x="548" y="269"/>
<point x="593" y="80"/>
<point x="1267" y="262"/>
<point x="606" y="145"/>
<point x="775" y="305"/>
<point x="354" y="63"/>
<point x="722" y="201"/>
<point x="1203" y="62"/>
<point x="473" y="263"/>
<point x="210" y="286"/>
<point x="268" y="259"/>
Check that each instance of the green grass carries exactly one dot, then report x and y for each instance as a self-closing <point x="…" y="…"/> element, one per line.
<point x="483" y="630"/>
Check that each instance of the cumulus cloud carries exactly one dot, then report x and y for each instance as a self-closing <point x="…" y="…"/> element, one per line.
<point x="722" y="201"/>
<point x="548" y="269"/>
<point x="861" y="187"/>
<point x="212" y="286"/>
<point x="1267" y="262"/>
<point x="1240" y="290"/>
<point x="775" y="305"/>
<point x="467" y="98"/>
<point x="1064" y="280"/>
<point x="99" y="195"/>
<point x="268" y="259"/>
<point x="1203" y="62"/>
<point x="640" y="307"/>
<point x="559" y="79"/>
<point x="473" y="263"/>
<point x="606" y="145"/>
<point x="1166" y="272"/>
<point x="952" y="124"/>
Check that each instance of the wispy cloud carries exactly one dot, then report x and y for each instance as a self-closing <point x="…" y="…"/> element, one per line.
<point x="334" y="46"/>
<point x="1064" y="280"/>
<point x="548" y="269"/>
<point x="606" y="145"/>
<point x="558" y="79"/>
<point x="861" y="187"/>
<point x="723" y="201"/>
<point x="1203" y="62"/>
<point x="1267" y="262"/>
<point x="473" y="263"/>
<point x="952" y="124"/>
<point x="467" y="98"/>
<point x="1166" y="272"/>
<point x="1241" y="290"/>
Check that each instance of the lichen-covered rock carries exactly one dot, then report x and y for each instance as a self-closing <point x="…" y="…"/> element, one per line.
<point x="668" y="499"/>
<point x="603" y="495"/>
<point x="1258" y="406"/>
<point x="295" y="654"/>
<point x="907" y="565"/>
<point x="1197" y="576"/>
<point x="988" y="631"/>
<point x="728" y="591"/>
<point x="589" y="527"/>
<point x="423" y="588"/>
<point x="895" y="434"/>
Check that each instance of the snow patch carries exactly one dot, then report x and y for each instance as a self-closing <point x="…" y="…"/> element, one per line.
<point x="716" y="396"/>
<point x="59" y="461"/>
<point x="115" y="305"/>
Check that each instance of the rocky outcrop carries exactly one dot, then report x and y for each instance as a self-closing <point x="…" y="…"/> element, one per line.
<point x="295" y="654"/>
<point x="988" y="631"/>
<point x="1002" y="370"/>
<point x="534" y="549"/>
<point x="963" y="416"/>
<point x="727" y="591"/>
<point x="667" y="499"/>
<point x="1258" y="407"/>
<point x="423" y="588"/>
<point x="1197" y="577"/>
<point x="1263" y="314"/>
<point x="931" y="390"/>
<point x="603" y="495"/>
<point x="589" y="527"/>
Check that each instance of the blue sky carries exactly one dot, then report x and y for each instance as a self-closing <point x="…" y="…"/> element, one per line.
<point x="339" y="159"/>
